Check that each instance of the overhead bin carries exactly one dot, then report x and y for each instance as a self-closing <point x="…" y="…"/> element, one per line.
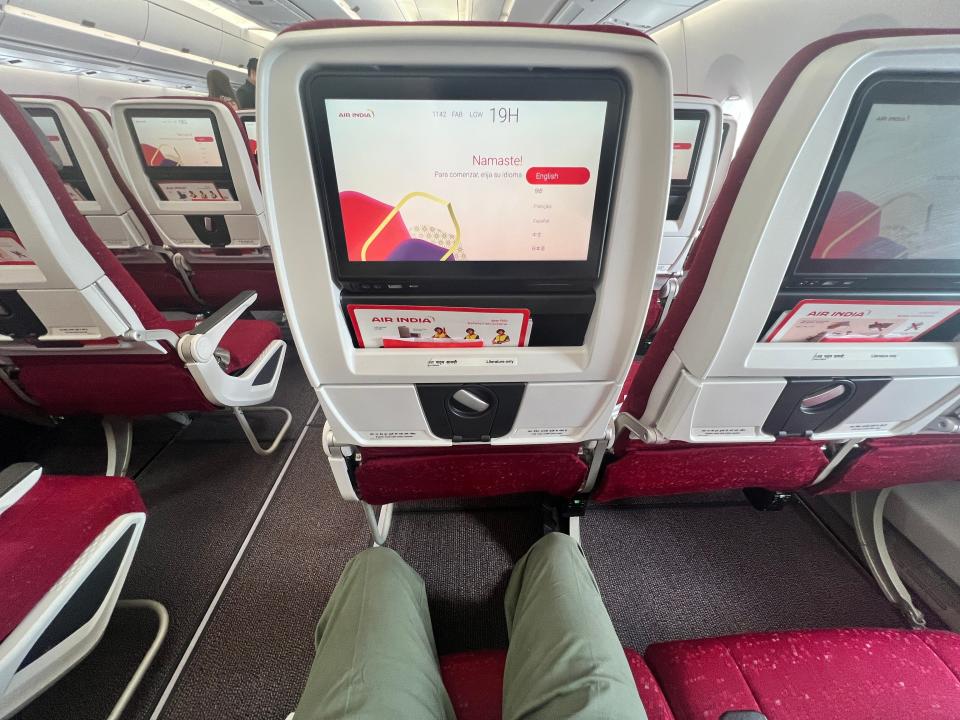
<point x="236" y="51"/>
<point x="105" y="29"/>
<point x="170" y="29"/>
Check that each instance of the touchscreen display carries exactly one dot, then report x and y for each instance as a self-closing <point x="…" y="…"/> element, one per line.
<point x="685" y="134"/>
<point x="51" y="129"/>
<point x="177" y="141"/>
<point x="469" y="180"/>
<point x="898" y="197"/>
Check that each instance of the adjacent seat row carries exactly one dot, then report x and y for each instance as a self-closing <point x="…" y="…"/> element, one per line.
<point x="77" y="332"/>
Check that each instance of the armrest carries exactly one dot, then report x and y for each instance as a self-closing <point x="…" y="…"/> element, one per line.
<point x="199" y="345"/>
<point x="16" y="481"/>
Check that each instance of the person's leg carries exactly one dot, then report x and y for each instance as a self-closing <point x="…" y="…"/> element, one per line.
<point x="564" y="660"/>
<point x="376" y="657"/>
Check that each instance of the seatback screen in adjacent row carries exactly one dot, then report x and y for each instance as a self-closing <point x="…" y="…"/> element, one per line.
<point x="177" y="140"/>
<point x="465" y="176"/>
<point x="891" y="204"/>
<point x="686" y="145"/>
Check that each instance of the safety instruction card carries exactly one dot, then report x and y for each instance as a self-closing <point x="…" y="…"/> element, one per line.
<point x="397" y="326"/>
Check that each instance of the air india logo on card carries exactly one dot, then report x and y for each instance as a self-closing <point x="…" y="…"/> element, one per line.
<point x="380" y="326"/>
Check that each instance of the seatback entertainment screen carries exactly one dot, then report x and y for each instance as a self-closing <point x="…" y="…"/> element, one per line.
<point x="491" y="175"/>
<point x="890" y="205"/>
<point x="686" y="142"/>
<point x="177" y="141"/>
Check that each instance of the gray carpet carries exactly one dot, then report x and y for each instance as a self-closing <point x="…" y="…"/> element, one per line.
<point x="669" y="571"/>
<point x="253" y="658"/>
<point x="201" y="499"/>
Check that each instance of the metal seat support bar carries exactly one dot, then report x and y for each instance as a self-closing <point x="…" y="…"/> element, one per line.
<point x="867" y="508"/>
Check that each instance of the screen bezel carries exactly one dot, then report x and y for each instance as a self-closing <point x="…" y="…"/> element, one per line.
<point x="178" y="172"/>
<point x="436" y="84"/>
<point x="888" y="88"/>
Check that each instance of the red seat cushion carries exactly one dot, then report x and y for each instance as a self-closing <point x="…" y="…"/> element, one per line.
<point x="245" y="339"/>
<point x="885" y="462"/>
<point x="813" y="675"/>
<point x="134" y="385"/>
<point x="474" y="681"/>
<point x="677" y="467"/>
<point x="395" y="474"/>
<point x="44" y="533"/>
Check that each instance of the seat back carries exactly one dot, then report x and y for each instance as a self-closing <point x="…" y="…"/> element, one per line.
<point x="191" y="164"/>
<point x="733" y="361"/>
<point x="404" y="400"/>
<point x="697" y="133"/>
<point x="728" y="144"/>
<point x="90" y="173"/>
<point x="249" y="120"/>
<point x="61" y="289"/>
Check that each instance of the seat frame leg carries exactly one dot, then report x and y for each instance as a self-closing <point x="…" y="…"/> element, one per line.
<point x="379" y="524"/>
<point x="241" y="415"/>
<point x="867" y="508"/>
<point x="163" y="624"/>
<point x="119" y="435"/>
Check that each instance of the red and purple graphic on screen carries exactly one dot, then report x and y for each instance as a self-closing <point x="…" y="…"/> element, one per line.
<point x="155" y="157"/>
<point x="405" y="232"/>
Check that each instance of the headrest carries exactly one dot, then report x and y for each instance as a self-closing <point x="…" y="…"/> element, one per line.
<point x="337" y="24"/>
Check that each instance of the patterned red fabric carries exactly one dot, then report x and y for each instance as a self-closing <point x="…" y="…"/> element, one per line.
<point x="148" y="314"/>
<point x="245" y="339"/>
<point x="134" y="385"/>
<point x="474" y="681"/>
<point x="218" y="283"/>
<point x="704" y="250"/>
<point x="850" y="674"/>
<point x="395" y="474"/>
<point x="45" y="532"/>
<point x="631" y="374"/>
<point x="334" y="24"/>
<point x="885" y="462"/>
<point x="677" y="467"/>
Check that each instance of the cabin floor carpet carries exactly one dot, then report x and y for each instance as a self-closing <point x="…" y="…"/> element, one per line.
<point x="201" y="497"/>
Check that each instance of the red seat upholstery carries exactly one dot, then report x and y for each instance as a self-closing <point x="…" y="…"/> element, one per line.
<point x="45" y="532"/>
<point x="885" y="462"/>
<point x="676" y="467"/>
<point x="474" y="681"/>
<point x="134" y="385"/>
<point x="813" y="675"/>
<point x="396" y="474"/>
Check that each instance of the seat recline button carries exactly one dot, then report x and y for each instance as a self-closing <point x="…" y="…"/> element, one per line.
<point x="470" y="401"/>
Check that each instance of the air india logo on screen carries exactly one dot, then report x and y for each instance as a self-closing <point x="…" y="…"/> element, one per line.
<point x="358" y="115"/>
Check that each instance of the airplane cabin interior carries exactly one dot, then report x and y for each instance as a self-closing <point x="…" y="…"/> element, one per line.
<point x="476" y="360"/>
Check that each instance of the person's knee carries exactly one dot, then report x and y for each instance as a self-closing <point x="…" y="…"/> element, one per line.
<point x="556" y="546"/>
<point x="379" y="563"/>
